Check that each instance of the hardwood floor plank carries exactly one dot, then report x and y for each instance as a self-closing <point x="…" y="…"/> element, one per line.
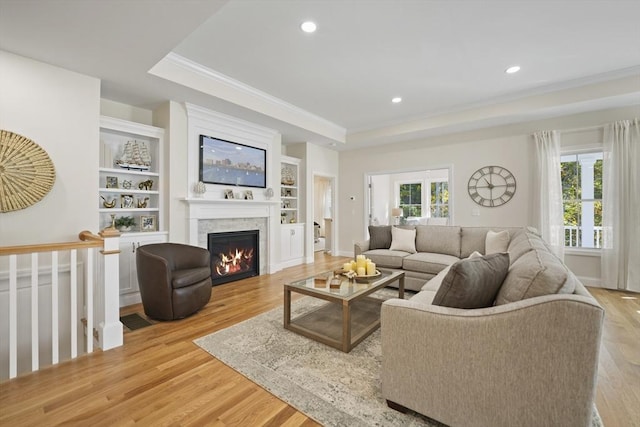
<point x="159" y="377"/>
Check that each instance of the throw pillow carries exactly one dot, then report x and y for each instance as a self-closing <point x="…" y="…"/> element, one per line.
<point x="496" y="242"/>
<point x="473" y="282"/>
<point x="379" y="236"/>
<point x="403" y="240"/>
<point x="434" y="283"/>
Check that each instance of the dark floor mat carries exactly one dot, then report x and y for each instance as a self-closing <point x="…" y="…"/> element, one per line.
<point x="134" y="321"/>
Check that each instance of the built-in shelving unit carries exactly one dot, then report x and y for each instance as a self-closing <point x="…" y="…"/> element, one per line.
<point x="132" y="192"/>
<point x="292" y="231"/>
<point x="289" y="191"/>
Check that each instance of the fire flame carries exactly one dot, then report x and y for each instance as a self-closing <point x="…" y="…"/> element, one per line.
<point x="235" y="261"/>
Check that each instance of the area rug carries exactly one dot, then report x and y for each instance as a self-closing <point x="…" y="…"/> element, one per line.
<point x="332" y="387"/>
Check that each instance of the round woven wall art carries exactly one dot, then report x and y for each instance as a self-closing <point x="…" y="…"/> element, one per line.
<point x="27" y="173"/>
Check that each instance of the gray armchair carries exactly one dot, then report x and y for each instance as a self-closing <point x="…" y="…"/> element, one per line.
<point x="174" y="279"/>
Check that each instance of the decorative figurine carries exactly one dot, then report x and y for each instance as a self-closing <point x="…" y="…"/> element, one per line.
<point x="143" y="203"/>
<point x="147" y="185"/>
<point x="108" y="204"/>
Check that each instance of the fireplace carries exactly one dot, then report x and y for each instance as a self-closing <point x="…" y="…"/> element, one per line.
<point x="234" y="255"/>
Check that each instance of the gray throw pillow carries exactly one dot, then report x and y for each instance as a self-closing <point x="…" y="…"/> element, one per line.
<point x="379" y="236"/>
<point x="473" y="282"/>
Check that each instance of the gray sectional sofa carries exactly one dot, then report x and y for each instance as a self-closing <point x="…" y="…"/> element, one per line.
<point x="437" y="247"/>
<point x="529" y="358"/>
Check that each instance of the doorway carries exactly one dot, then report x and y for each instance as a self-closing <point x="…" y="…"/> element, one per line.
<point x="409" y="197"/>
<point x="323" y="213"/>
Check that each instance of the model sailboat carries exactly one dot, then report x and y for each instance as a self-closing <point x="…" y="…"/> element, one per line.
<point x="136" y="156"/>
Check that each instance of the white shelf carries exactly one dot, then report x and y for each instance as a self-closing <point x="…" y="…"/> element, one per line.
<point x="123" y="210"/>
<point x="128" y="172"/>
<point x="128" y="191"/>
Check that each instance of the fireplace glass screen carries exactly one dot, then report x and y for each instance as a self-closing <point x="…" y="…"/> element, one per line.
<point x="234" y="255"/>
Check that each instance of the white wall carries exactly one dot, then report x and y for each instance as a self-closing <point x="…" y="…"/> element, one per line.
<point x="382" y="196"/>
<point x="172" y="116"/>
<point x="316" y="160"/>
<point x="508" y="146"/>
<point x="60" y="111"/>
<point x="126" y="112"/>
<point x="513" y="153"/>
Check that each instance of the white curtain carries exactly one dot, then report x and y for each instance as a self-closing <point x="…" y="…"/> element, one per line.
<point x="548" y="211"/>
<point x="621" y="206"/>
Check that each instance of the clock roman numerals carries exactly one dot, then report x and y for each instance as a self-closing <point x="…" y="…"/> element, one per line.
<point x="491" y="186"/>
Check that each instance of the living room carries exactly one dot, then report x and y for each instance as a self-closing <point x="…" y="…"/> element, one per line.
<point x="60" y="108"/>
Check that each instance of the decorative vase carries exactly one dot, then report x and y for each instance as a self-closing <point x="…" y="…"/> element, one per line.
<point x="199" y="189"/>
<point x="268" y="193"/>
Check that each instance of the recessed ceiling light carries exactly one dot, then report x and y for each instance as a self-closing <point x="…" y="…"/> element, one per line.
<point x="512" y="69"/>
<point x="396" y="100"/>
<point x="308" y="27"/>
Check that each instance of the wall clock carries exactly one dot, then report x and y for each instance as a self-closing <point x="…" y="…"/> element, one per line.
<point x="26" y="172"/>
<point x="492" y="186"/>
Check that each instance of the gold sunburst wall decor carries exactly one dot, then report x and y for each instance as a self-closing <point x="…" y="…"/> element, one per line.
<point x="27" y="173"/>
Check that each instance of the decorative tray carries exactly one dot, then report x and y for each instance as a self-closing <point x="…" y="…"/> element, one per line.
<point x="362" y="279"/>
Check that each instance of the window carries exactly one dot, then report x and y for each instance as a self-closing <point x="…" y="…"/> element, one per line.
<point x="411" y="199"/>
<point x="582" y="199"/>
<point x="439" y="199"/>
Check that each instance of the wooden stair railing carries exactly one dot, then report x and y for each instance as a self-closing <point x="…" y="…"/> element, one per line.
<point x="98" y="302"/>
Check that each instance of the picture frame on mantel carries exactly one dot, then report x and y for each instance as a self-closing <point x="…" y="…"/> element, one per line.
<point x="231" y="163"/>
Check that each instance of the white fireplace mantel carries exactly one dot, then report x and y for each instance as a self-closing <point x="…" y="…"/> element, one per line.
<point x="204" y="209"/>
<point x="229" y="208"/>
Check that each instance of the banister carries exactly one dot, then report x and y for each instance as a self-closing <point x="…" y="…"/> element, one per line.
<point x="86" y="235"/>
<point x="50" y="247"/>
<point x="89" y="274"/>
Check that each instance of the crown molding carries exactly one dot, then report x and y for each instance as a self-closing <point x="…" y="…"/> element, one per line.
<point x="186" y="72"/>
<point x="206" y="115"/>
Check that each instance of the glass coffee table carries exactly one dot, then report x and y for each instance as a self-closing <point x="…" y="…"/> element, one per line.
<point x="351" y="315"/>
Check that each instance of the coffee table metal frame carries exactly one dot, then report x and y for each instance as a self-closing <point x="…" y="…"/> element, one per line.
<point x="347" y="343"/>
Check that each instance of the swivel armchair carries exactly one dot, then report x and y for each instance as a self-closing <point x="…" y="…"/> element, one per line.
<point x="174" y="279"/>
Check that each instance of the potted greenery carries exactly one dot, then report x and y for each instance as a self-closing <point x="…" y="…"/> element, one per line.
<point x="125" y="223"/>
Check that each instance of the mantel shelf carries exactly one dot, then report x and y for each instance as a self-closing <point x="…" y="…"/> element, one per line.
<point x="205" y="201"/>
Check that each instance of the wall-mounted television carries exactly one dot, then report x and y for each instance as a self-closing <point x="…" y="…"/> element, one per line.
<point x="230" y="163"/>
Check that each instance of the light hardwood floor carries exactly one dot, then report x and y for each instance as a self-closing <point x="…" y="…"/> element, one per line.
<point x="159" y="377"/>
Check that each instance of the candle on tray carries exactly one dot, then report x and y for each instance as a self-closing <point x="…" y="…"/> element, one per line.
<point x="361" y="262"/>
<point x="361" y="271"/>
<point x="347" y="266"/>
<point x="371" y="268"/>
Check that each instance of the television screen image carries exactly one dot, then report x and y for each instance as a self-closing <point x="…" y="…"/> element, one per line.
<point x="230" y="163"/>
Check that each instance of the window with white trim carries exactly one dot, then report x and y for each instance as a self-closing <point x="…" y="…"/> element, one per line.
<point x="582" y="199"/>
<point x="411" y="199"/>
<point x="439" y="200"/>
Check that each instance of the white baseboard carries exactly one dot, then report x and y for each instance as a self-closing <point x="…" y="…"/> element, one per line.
<point x="594" y="282"/>
<point x="130" y="299"/>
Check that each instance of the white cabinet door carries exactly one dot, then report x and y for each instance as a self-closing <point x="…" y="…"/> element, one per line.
<point x="291" y="244"/>
<point x="297" y="241"/>
<point x="129" y="290"/>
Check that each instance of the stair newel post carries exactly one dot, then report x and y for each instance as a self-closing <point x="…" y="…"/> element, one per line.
<point x="110" y="330"/>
